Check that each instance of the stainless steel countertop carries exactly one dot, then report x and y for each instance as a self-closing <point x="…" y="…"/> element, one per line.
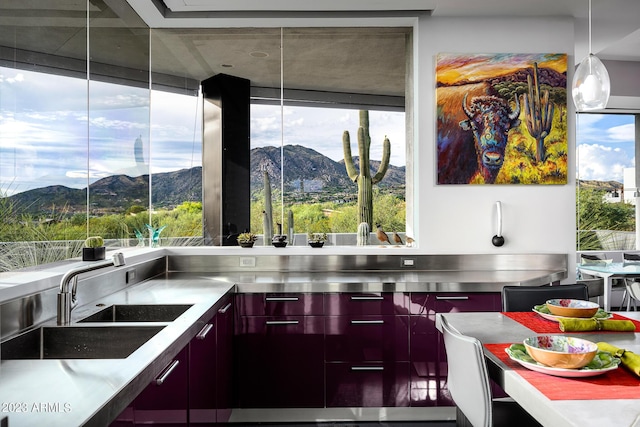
<point x="92" y="392"/>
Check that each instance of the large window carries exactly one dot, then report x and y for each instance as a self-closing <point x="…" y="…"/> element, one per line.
<point x="101" y="126"/>
<point x="606" y="188"/>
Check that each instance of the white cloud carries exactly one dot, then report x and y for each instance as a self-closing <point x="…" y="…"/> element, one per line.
<point x="598" y="162"/>
<point x="623" y="133"/>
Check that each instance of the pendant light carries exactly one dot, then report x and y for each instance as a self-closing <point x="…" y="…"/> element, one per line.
<point x="591" y="84"/>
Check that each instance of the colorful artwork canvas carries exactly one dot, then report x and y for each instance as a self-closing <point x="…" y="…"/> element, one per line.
<point x="502" y="118"/>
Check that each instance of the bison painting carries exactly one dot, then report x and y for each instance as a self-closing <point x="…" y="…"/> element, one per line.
<point x="473" y="131"/>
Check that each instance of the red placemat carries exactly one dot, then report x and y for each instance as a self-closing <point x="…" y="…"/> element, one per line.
<point x="617" y="384"/>
<point x="540" y="325"/>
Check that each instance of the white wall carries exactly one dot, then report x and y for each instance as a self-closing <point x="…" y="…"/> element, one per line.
<point x="461" y="218"/>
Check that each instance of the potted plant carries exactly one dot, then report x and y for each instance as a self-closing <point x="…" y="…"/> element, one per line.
<point x="246" y="240"/>
<point x="316" y="240"/>
<point x="94" y="249"/>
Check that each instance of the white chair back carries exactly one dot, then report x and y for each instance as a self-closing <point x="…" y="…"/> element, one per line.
<point x="468" y="380"/>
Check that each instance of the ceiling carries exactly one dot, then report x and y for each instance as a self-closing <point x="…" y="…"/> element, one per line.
<point x="615" y="23"/>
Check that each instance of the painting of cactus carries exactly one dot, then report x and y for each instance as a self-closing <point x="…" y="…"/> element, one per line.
<point x="362" y="177"/>
<point x="538" y="112"/>
<point x="501" y="118"/>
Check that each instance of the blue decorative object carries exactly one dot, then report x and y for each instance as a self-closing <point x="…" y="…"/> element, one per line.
<point x="139" y="236"/>
<point x="154" y="233"/>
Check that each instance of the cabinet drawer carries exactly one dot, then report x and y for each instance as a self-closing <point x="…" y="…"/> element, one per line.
<point x="280" y="362"/>
<point x="451" y="302"/>
<point x="367" y="338"/>
<point x="279" y="304"/>
<point x="356" y="385"/>
<point x="369" y="303"/>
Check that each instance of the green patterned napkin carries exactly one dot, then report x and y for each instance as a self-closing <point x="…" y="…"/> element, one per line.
<point x="594" y="324"/>
<point x="629" y="359"/>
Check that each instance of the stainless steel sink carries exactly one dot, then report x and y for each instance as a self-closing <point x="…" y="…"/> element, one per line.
<point x="138" y="313"/>
<point x="77" y="342"/>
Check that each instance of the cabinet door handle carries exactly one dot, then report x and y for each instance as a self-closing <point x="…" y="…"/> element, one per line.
<point x="167" y="371"/>
<point x="451" y="298"/>
<point x="204" y="331"/>
<point x="282" y="298"/>
<point x="367" y="322"/>
<point x="366" y="298"/>
<point x="282" y="322"/>
<point x="367" y="368"/>
<point x="225" y="309"/>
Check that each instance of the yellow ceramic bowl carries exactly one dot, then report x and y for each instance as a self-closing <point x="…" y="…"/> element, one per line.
<point x="559" y="351"/>
<point x="572" y="307"/>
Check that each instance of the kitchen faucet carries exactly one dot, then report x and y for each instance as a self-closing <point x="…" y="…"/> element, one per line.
<point x="67" y="297"/>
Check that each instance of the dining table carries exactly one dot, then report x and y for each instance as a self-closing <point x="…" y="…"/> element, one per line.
<point x="611" y="398"/>
<point x="610" y="271"/>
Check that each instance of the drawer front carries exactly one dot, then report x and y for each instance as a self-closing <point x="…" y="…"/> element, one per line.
<point x="367" y="338"/>
<point x="367" y="384"/>
<point x="369" y="303"/>
<point x="279" y="362"/>
<point x="453" y="303"/>
<point x="450" y="302"/>
<point x="280" y="304"/>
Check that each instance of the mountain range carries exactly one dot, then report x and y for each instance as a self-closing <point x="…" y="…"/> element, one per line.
<point x="306" y="171"/>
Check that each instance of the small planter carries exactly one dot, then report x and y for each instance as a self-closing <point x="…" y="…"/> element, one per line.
<point x="316" y="244"/>
<point x="93" y="254"/>
<point x="279" y="244"/>
<point x="246" y="244"/>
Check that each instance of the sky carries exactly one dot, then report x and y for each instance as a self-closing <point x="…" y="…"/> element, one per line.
<point x="44" y="129"/>
<point x="605" y="146"/>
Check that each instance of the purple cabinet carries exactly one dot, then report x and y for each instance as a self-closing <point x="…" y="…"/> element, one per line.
<point x="279" y="359"/>
<point x="279" y="304"/>
<point x="367" y="384"/>
<point x="371" y="303"/>
<point x="202" y="376"/>
<point x="367" y="349"/>
<point x="428" y="357"/>
<point x="211" y="369"/>
<point x="367" y="338"/>
<point x="225" y="361"/>
<point x="165" y="400"/>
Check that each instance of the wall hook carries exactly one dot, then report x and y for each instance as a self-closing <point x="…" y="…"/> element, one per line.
<point x="498" y="240"/>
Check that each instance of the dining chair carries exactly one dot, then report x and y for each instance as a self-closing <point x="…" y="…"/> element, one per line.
<point x="633" y="291"/>
<point x="524" y="298"/>
<point x="595" y="287"/>
<point x="468" y="383"/>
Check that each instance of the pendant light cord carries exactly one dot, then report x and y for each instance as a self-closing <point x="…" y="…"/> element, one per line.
<point x="590" y="51"/>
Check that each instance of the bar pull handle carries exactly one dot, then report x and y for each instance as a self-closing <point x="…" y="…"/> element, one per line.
<point x="282" y="298"/>
<point x="367" y="322"/>
<point x="451" y="298"/>
<point x="165" y="374"/>
<point x="366" y="298"/>
<point x="282" y="322"/>
<point x="367" y="368"/>
<point x="225" y="309"/>
<point x="204" y="331"/>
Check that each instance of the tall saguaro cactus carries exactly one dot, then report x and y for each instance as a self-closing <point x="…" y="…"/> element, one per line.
<point x="538" y="113"/>
<point x="363" y="177"/>
<point x="267" y="214"/>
